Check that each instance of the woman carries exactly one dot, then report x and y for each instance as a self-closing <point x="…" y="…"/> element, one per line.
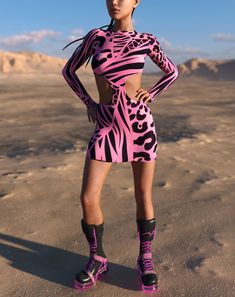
<point x="124" y="132"/>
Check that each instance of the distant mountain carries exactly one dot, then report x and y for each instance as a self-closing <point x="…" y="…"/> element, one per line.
<point x="212" y="69"/>
<point x="32" y="62"/>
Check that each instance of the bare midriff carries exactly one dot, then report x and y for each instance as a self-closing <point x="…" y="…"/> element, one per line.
<point x="133" y="83"/>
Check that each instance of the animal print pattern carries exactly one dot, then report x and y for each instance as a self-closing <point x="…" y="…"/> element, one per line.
<point x="125" y="130"/>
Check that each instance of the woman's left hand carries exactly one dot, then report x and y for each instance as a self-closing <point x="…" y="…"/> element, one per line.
<point x="142" y="94"/>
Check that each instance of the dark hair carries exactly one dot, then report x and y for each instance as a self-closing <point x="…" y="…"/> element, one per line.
<point x="109" y="27"/>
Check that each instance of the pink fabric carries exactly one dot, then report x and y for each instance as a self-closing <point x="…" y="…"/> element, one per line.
<point x="99" y="258"/>
<point x="125" y="130"/>
<point x="146" y="256"/>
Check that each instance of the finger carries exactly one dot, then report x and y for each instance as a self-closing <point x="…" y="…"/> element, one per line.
<point x="142" y="94"/>
<point x="147" y="98"/>
<point x="138" y="94"/>
<point x="139" y="91"/>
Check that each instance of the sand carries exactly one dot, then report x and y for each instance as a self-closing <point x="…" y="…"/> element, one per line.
<point x="44" y="133"/>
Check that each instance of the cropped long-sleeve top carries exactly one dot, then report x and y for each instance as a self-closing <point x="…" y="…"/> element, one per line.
<point x="117" y="55"/>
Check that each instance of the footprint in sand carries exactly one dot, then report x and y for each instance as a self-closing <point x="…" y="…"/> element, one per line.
<point x="60" y="167"/>
<point x="193" y="262"/>
<point x="164" y="228"/>
<point x="3" y="194"/>
<point x="216" y="255"/>
<point x="162" y="184"/>
<point x="14" y="174"/>
<point x="177" y="158"/>
<point x="206" y="177"/>
<point x="210" y="198"/>
<point x="216" y="241"/>
<point x="203" y="178"/>
<point x="213" y="198"/>
<point x="128" y="189"/>
<point x="167" y="227"/>
<point x="24" y="174"/>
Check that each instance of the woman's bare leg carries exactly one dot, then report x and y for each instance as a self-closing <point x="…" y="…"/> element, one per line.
<point x="94" y="174"/>
<point x="143" y="173"/>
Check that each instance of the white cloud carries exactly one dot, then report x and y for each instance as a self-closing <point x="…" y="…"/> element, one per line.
<point x="75" y="34"/>
<point x="177" y="51"/>
<point x="28" y="38"/>
<point x="227" y="37"/>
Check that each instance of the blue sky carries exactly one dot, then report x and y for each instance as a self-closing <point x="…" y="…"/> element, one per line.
<point x="186" y="29"/>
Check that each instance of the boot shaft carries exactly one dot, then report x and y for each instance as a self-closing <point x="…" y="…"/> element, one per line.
<point x="94" y="235"/>
<point x="146" y="232"/>
<point x="90" y="230"/>
<point x="146" y="229"/>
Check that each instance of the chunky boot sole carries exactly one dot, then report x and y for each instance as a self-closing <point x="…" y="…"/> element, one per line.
<point x="102" y="269"/>
<point x="147" y="289"/>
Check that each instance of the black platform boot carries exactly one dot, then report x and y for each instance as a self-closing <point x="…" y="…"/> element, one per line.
<point x="146" y="232"/>
<point x="97" y="263"/>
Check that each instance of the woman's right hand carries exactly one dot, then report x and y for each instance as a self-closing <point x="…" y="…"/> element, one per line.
<point x="92" y="112"/>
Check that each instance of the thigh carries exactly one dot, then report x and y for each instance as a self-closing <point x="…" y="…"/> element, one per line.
<point x="94" y="174"/>
<point x="143" y="173"/>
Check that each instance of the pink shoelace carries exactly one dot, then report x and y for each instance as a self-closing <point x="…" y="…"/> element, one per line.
<point x="93" y="250"/>
<point x="147" y="263"/>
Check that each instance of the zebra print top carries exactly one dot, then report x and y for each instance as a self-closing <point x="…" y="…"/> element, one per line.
<point x="117" y="55"/>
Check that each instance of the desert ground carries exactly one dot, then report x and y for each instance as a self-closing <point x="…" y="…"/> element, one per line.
<point x="44" y="133"/>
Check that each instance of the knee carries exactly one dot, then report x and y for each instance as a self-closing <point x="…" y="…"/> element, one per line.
<point x="90" y="200"/>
